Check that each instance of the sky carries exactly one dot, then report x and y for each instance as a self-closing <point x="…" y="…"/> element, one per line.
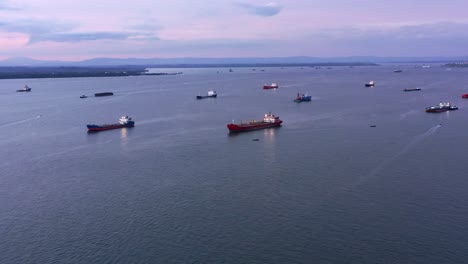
<point x="84" y="29"/>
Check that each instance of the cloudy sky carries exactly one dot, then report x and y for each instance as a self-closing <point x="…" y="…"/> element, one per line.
<point x="82" y="29"/>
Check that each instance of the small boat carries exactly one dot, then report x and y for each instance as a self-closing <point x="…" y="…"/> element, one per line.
<point x="24" y="89"/>
<point x="370" y="84"/>
<point x="103" y="94"/>
<point x="373" y="126"/>
<point x="411" y="89"/>
<point x="211" y="94"/>
<point x="397" y="71"/>
<point x="442" y="107"/>
<point x="269" y="120"/>
<point x="465" y="95"/>
<point x="124" y="121"/>
<point x="271" y="86"/>
<point x="255" y="139"/>
<point x="230" y="70"/>
<point x="83" y="96"/>
<point x="302" y="98"/>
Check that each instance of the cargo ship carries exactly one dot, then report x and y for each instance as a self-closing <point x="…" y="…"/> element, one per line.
<point x="269" y="120"/>
<point x="124" y="121"/>
<point x="211" y="94"/>
<point x="24" y="89"/>
<point x="302" y="98"/>
<point x="465" y="95"/>
<point x="103" y="94"/>
<point x="370" y="84"/>
<point x="271" y="86"/>
<point x="442" y="107"/>
<point x="411" y="89"/>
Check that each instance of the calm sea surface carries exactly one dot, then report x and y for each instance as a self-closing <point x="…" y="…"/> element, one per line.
<point x="177" y="188"/>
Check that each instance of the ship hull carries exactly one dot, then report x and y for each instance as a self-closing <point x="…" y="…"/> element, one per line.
<point x="206" y="96"/>
<point x="304" y="99"/>
<point x="22" y="91"/>
<point x="369" y="85"/>
<point x="465" y="95"/>
<point x="436" y="110"/>
<point x="412" y="89"/>
<point x="267" y="87"/>
<point x="96" y="128"/>
<point x="441" y="110"/>
<point x="103" y="94"/>
<point x="243" y="128"/>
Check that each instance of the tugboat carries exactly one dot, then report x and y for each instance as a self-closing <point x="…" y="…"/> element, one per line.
<point x="370" y="84"/>
<point x="124" y="121"/>
<point x="24" y="89"/>
<point x="465" y="95"/>
<point x="269" y="120"/>
<point x="411" y="89"/>
<point x="211" y="94"/>
<point x="271" y="86"/>
<point x="442" y="107"/>
<point x="302" y="98"/>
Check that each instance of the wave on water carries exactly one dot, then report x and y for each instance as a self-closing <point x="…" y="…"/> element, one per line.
<point x="17" y="122"/>
<point x="413" y="143"/>
<point x="406" y="114"/>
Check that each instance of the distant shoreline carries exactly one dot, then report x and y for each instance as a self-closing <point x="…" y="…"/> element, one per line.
<point x="18" y="72"/>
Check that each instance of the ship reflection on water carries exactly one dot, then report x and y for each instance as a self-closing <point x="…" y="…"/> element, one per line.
<point x="269" y="134"/>
<point x="269" y="146"/>
<point x="123" y="134"/>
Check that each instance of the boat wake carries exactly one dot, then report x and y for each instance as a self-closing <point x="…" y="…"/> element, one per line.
<point x="17" y="122"/>
<point x="413" y="143"/>
<point x="406" y="114"/>
<point x="59" y="153"/>
<point x="293" y="85"/>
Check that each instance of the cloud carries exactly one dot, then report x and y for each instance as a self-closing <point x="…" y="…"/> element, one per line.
<point x="147" y="26"/>
<point x="35" y="26"/>
<point x="90" y="36"/>
<point x="266" y="10"/>
<point x="77" y="37"/>
<point x="40" y="31"/>
<point x="434" y="31"/>
<point x="4" y="5"/>
<point x="445" y="38"/>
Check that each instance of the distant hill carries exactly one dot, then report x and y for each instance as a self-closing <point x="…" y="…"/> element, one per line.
<point x="28" y="62"/>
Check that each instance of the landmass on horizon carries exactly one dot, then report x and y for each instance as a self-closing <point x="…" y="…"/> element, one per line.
<point x="171" y="62"/>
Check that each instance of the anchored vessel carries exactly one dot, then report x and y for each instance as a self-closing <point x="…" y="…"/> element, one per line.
<point x="271" y="86"/>
<point x="103" y="94"/>
<point x="269" y="120"/>
<point x="370" y="84"/>
<point x="442" y="107"/>
<point x="211" y="93"/>
<point x="24" y="89"/>
<point x="411" y="89"/>
<point x="124" y="121"/>
<point x="302" y="98"/>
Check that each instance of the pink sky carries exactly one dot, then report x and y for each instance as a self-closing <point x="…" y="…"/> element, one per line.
<point x="75" y="30"/>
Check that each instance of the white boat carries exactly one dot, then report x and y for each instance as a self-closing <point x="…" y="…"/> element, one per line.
<point x="211" y="93"/>
<point x="24" y="89"/>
